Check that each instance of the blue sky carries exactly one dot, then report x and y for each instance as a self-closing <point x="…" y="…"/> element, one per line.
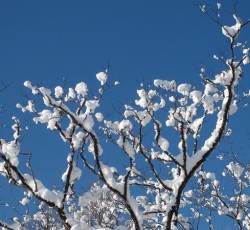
<point x="45" y="40"/>
<point x="51" y="41"/>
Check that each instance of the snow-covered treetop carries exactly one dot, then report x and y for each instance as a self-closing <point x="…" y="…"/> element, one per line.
<point x="144" y="136"/>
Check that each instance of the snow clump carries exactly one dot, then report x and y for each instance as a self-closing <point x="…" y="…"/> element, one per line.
<point x="81" y="89"/>
<point x="218" y="5"/>
<point x="102" y="77"/>
<point x="58" y="91"/>
<point x="184" y="89"/>
<point x="99" y="117"/>
<point x="232" y="31"/>
<point x="163" y="143"/>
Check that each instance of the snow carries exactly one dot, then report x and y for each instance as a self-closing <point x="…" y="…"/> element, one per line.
<point x="125" y="125"/>
<point x="102" y="77"/>
<point x="215" y="57"/>
<point x="45" y="91"/>
<point x="203" y="8"/>
<point x="189" y="193"/>
<point x="246" y="60"/>
<point x="91" y="105"/>
<point x="210" y="175"/>
<point x="167" y="85"/>
<point x="128" y="148"/>
<point x="163" y="143"/>
<point x="3" y="171"/>
<point x="76" y="227"/>
<point x="49" y="117"/>
<point x="170" y="122"/>
<point x="172" y="99"/>
<point x="224" y="78"/>
<point x="10" y="150"/>
<point x="236" y="169"/>
<point x="217" y="97"/>
<point x="75" y="174"/>
<point x="196" y="125"/>
<point x="184" y="89"/>
<point x="142" y="117"/>
<point x="16" y="130"/>
<point x="58" y="91"/>
<point x="108" y="175"/>
<point x="71" y="95"/>
<point x="134" y="205"/>
<point x="186" y="112"/>
<point x="81" y="89"/>
<point x="30" y="106"/>
<point x="86" y="120"/>
<point x="232" y="31"/>
<point x="228" y="132"/>
<point x="143" y="102"/>
<point x="246" y="51"/>
<point x="99" y="117"/>
<point x="27" y="84"/>
<point x="233" y="108"/>
<point x="159" y="105"/>
<point x="208" y="104"/>
<point x="35" y="91"/>
<point x="24" y="201"/>
<point x="152" y="93"/>
<point x="39" y="189"/>
<point x="91" y="148"/>
<point x="195" y="96"/>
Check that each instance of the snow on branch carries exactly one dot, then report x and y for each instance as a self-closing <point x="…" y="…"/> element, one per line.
<point x="162" y="139"/>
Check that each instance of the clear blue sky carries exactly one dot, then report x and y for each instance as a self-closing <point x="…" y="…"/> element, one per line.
<point x="48" y="41"/>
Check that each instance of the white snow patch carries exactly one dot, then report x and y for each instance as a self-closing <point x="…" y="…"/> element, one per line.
<point x="167" y="85"/>
<point x="218" y="5"/>
<point x="163" y="143"/>
<point x="75" y="174"/>
<point x="195" y="96"/>
<point x="184" y="89"/>
<point x="102" y="77"/>
<point x="58" y="91"/>
<point x="125" y="125"/>
<point x="236" y="169"/>
<point x="232" y="31"/>
<point x="81" y="89"/>
<point x="27" y="84"/>
<point x="99" y="117"/>
<point x="91" y="105"/>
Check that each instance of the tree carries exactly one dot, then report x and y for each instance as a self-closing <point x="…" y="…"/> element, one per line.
<point x="152" y="190"/>
<point x="217" y="200"/>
